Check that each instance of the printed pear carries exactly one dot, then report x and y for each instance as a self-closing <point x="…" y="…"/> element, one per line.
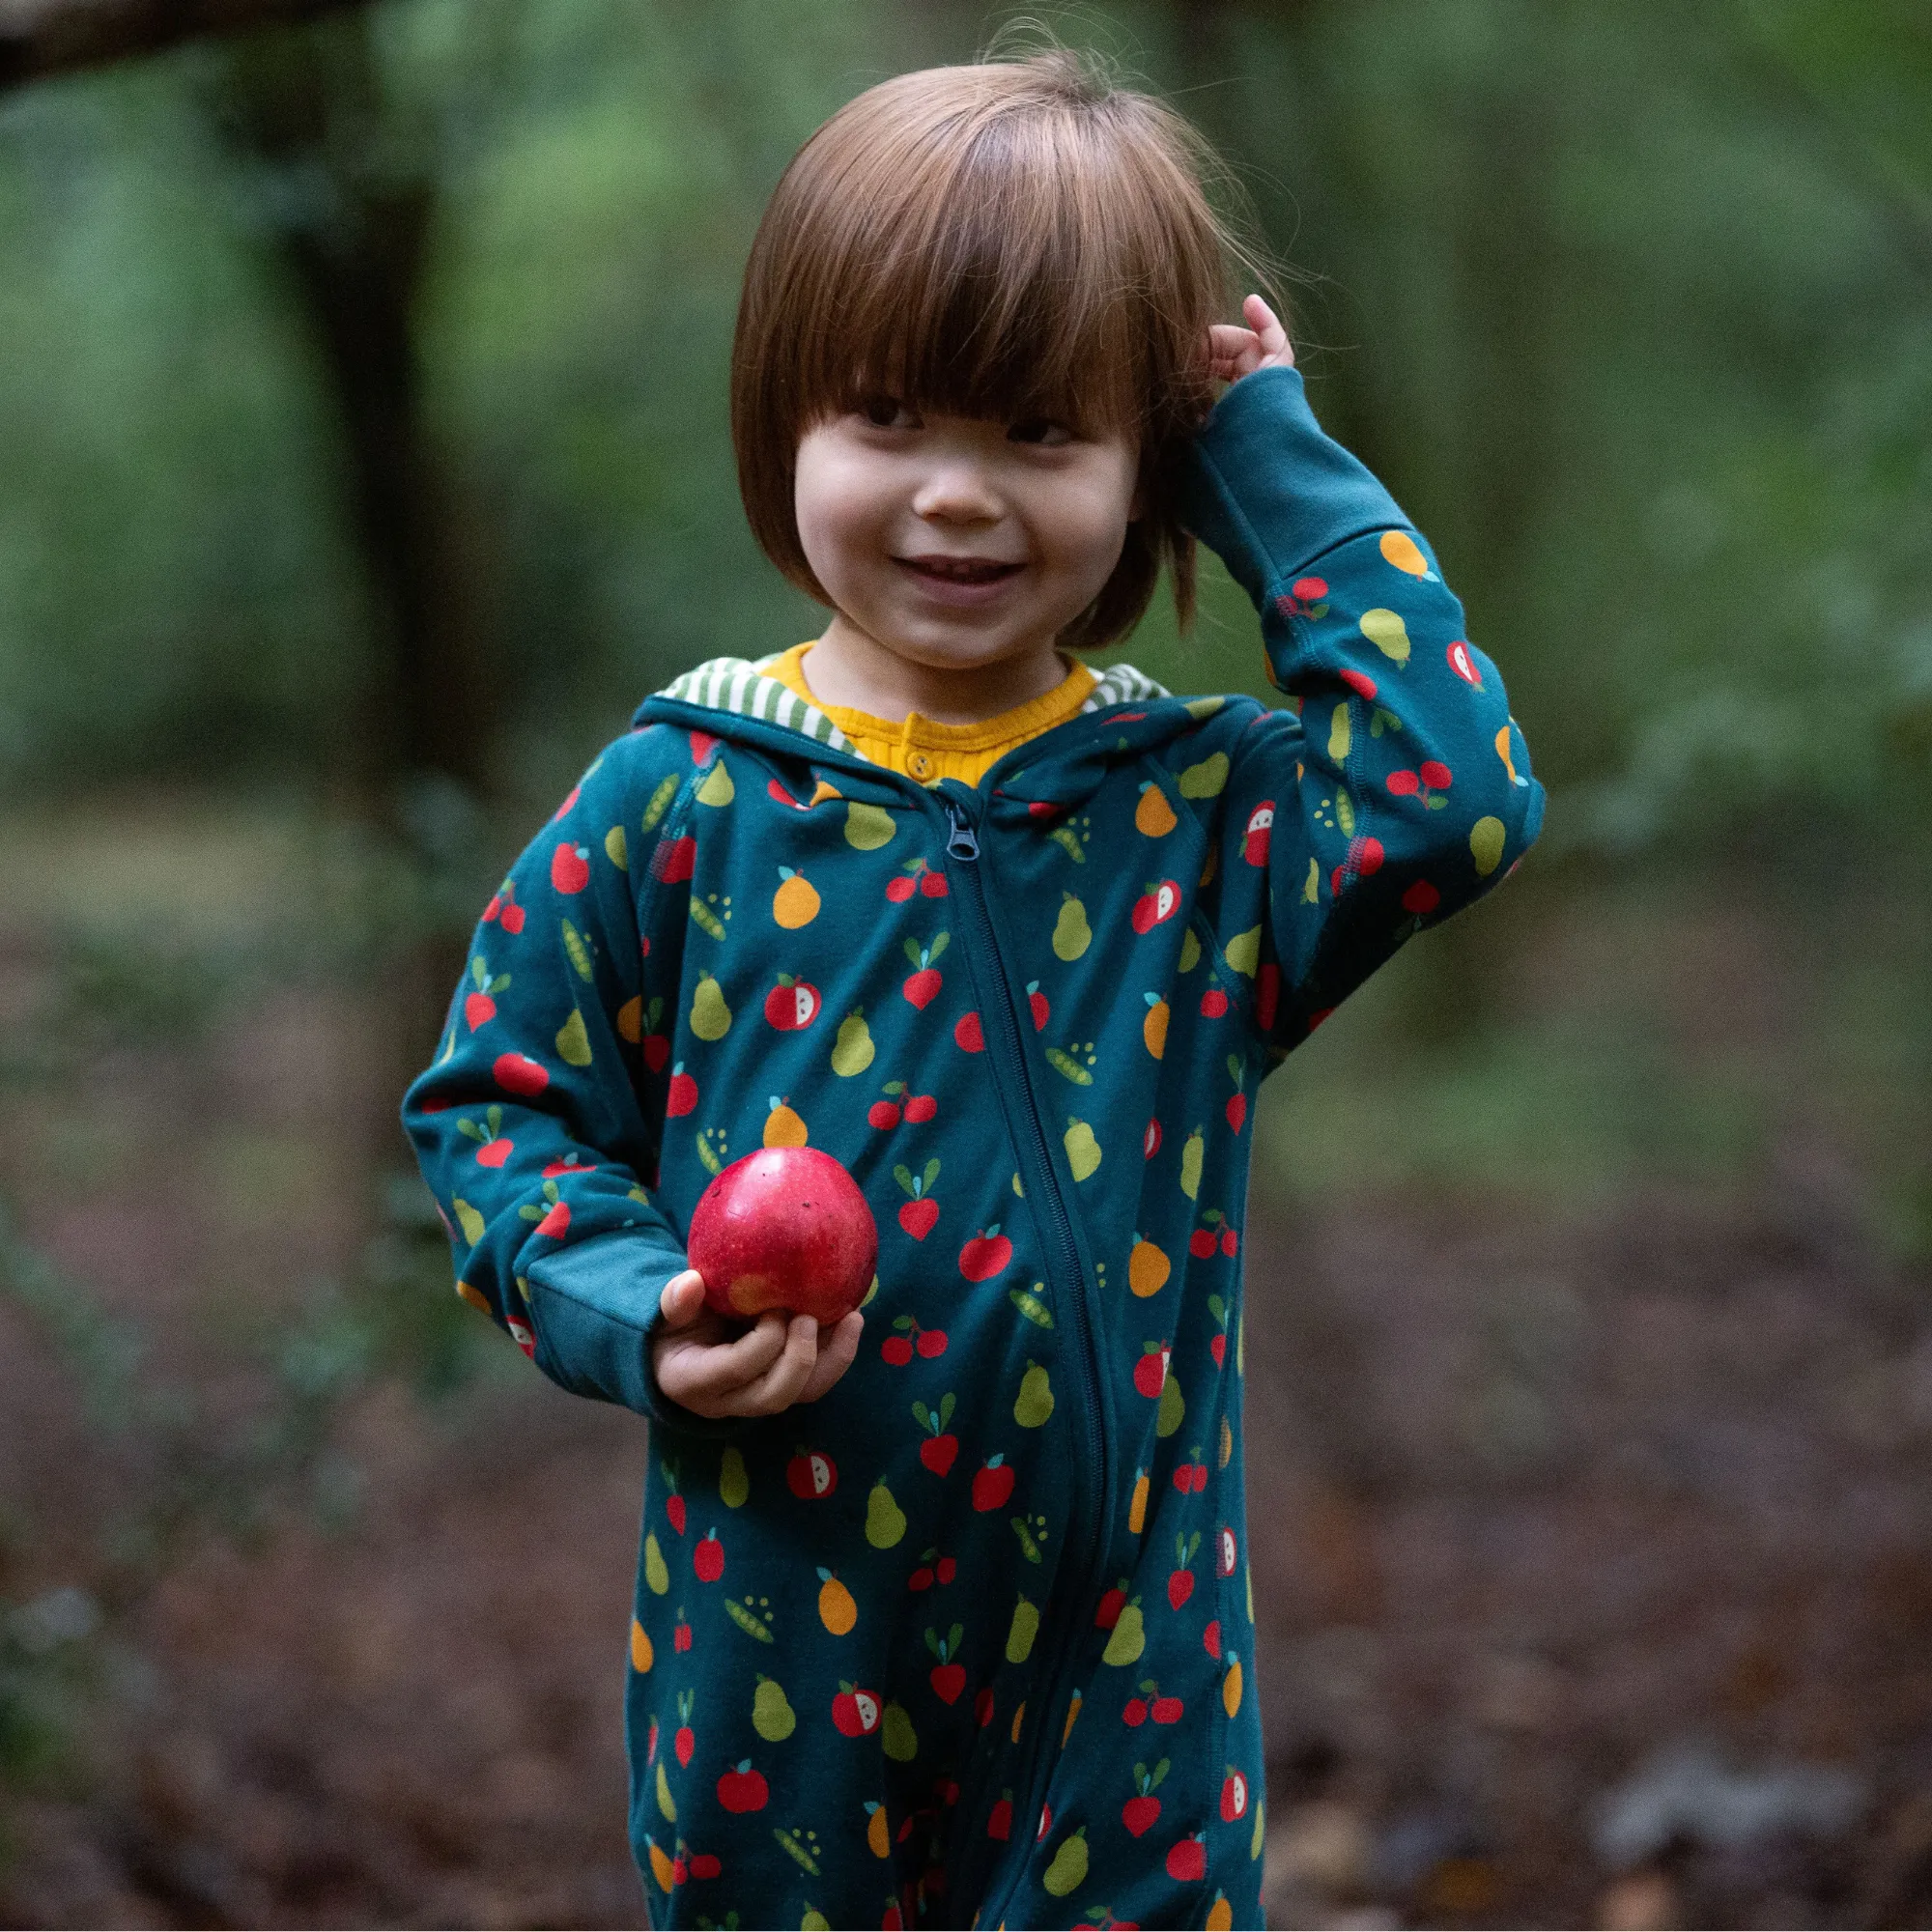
<point x="655" y="1572"/>
<point x="852" y="1051"/>
<point x="733" y="1484"/>
<point x="1071" y="934"/>
<point x="1069" y="1871"/>
<point x="1024" y="1628"/>
<point x="1205" y="779"/>
<point x="1190" y="951"/>
<point x="1173" y="1408"/>
<point x="1128" y="1638"/>
<point x="1486" y="845"/>
<point x="772" y="1718"/>
<point x="815" y="1920"/>
<point x="1244" y="951"/>
<point x="885" y="1521"/>
<point x="1386" y="631"/>
<point x="469" y="1220"/>
<point x="1083" y="1151"/>
<point x="710" y="1016"/>
<point x="1190" y="1165"/>
<point x="617" y="849"/>
<point x="666" y="1803"/>
<point x="868" y="827"/>
<point x="1337" y="733"/>
<point x="897" y="1736"/>
<point x="573" y="1043"/>
<point x="716" y="788"/>
<point x="1034" y="1401"/>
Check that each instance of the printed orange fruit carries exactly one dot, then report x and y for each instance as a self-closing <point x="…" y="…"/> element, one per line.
<point x="1147" y="1268"/>
<point x="796" y="901"/>
<point x="1153" y="1028"/>
<point x="1154" y="815"/>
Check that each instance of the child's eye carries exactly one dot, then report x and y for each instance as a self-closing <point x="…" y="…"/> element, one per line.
<point x="1040" y="430"/>
<point x="885" y="413"/>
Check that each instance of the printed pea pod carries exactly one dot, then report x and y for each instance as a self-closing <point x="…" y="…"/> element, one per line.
<point x="748" y="1620"/>
<point x="1030" y="1305"/>
<point x="662" y="797"/>
<point x="578" y="952"/>
<point x="1064" y="1063"/>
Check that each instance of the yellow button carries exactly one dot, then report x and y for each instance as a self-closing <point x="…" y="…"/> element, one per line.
<point x="919" y="765"/>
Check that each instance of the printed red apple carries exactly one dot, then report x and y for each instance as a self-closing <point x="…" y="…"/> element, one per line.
<point x="792" y="1004"/>
<point x="1038" y="1005"/>
<point x="522" y="1338"/>
<point x="1188" y="1859"/>
<point x="780" y="796"/>
<point x="785" y="1227"/>
<point x="570" y="868"/>
<point x="705" y="1864"/>
<point x="999" y="1819"/>
<point x="675" y="860"/>
<point x="812" y="1474"/>
<point x="519" y="1074"/>
<point x="1227" y="1552"/>
<point x="513" y="917"/>
<point x="1150" y="1141"/>
<point x="683" y="1094"/>
<point x="743" y="1789"/>
<point x="1111" y="1602"/>
<point x="707" y="1560"/>
<point x="1463" y="664"/>
<point x="993" y="1484"/>
<point x="570" y="798"/>
<point x="966" y="1033"/>
<point x="1157" y="905"/>
<point x="1255" y="840"/>
<point x="986" y="1254"/>
<point x="1210" y="1639"/>
<point x="856" y="1711"/>
<point x="1233" y="1796"/>
<point x="701" y="743"/>
<point x="1151" y="1371"/>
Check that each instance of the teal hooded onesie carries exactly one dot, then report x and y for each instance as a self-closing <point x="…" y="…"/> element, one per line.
<point x="970" y="1641"/>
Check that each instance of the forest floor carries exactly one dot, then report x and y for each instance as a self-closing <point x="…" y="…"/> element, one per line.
<point x="1593" y="1550"/>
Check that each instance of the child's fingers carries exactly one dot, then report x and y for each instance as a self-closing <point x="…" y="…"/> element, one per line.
<point x="708" y="1376"/>
<point x="1271" y="336"/>
<point x="683" y="1299"/>
<point x="779" y="1386"/>
<point x="837" y="1349"/>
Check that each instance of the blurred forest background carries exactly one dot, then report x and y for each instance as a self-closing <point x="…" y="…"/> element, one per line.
<point x="363" y="461"/>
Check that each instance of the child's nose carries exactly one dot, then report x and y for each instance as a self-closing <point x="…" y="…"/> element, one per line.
<point x="958" y="491"/>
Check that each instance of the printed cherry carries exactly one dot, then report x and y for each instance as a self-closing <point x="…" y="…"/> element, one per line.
<point x="1135" y="1714"/>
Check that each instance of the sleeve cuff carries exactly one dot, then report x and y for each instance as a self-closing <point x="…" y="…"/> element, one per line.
<point x="1268" y="490"/>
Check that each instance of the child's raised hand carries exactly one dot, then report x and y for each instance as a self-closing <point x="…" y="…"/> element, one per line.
<point x="1234" y="352"/>
<point x="706" y="1368"/>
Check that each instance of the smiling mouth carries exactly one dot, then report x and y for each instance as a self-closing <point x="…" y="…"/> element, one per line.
<point x="960" y="569"/>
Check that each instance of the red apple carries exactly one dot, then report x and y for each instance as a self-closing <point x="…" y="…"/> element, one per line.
<point x="743" y="1789"/>
<point x="1150" y="1141"/>
<point x="986" y="1254"/>
<point x="1463" y="664"/>
<point x="1227" y="1549"/>
<point x="778" y="795"/>
<point x="1233" y="1796"/>
<point x="519" y="1074"/>
<point x="1188" y="1859"/>
<point x="785" y="1228"/>
<point x="856" y="1711"/>
<point x="792" y="1004"/>
<point x="701" y="743"/>
<point x="675" y="860"/>
<point x="512" y="918"/>
<point x="992" y="1485"/>
<point x="1151" y="1371"/>
<point x="1255" y="841"/>
<point x="682" y="1096"/>
<point x="1210" y="1639"/>
<point x="707" y="1560"/>
<point x="1111" y="1606"/>
<point x="522" y="1338"/>
<point x="812" y="1474"/>
<point x="999" y="1819"/>
<point x="1156" y="906"/>
<point x="1036" y="1004"/>
<point x="570" y="868"/>
<point x="966" y="1032"/>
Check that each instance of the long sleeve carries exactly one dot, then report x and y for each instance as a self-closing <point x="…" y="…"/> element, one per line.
<point x="538" y="1127"/>
<point x="1394" y="787"/>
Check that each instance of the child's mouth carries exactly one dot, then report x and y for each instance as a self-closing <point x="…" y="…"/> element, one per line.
<point x="960" y="579"/>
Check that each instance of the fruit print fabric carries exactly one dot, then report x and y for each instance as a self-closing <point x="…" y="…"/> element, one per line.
<point x="972" y="1635"/>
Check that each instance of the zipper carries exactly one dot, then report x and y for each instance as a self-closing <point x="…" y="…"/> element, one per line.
<point x="963" y="848"/>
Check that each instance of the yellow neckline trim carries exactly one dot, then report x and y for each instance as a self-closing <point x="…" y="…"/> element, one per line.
<point x="1037" y="715"/>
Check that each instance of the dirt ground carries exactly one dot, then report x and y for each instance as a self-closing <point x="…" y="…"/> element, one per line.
<point x="1593" y="1544"/>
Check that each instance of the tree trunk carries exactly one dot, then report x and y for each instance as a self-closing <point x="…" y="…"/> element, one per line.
<point x="42" y="38"/>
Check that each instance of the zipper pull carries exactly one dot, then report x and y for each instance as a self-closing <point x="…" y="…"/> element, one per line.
<point x="962" y="841"/>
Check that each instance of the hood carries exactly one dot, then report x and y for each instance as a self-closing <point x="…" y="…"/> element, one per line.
<point x="1126" y="717"/>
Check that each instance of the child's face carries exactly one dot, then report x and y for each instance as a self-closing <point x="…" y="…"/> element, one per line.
<point x="958" y="542"/>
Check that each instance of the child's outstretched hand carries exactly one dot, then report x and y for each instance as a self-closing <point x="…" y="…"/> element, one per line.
<point x="702" y="1365"/>
<point x="1234" y="352"/>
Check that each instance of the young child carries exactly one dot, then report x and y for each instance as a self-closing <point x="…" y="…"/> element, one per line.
<point x="944" y="1616"/>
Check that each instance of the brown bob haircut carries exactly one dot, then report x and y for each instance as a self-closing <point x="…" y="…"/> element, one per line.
<point x="1011" y="240"/>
